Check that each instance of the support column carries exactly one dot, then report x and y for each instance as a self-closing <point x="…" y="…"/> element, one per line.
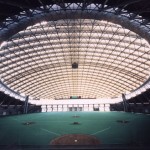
<point x="26" y="105"/>
<point x="124" y="103"/>
<point x="46" y="108"/>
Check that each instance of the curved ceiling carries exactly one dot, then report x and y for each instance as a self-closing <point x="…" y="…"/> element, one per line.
<point x="38" y="60"/>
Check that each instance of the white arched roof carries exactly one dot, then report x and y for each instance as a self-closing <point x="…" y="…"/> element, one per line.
<point x="38" y="60"/>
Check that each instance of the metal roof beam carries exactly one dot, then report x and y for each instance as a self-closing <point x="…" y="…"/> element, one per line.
<point x="15" y="4"/>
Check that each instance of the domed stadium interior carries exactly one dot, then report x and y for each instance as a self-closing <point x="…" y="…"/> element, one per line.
<point x="74" y="74"/>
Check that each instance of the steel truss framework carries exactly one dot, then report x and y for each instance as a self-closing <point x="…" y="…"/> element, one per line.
<point x="109" y="44"/>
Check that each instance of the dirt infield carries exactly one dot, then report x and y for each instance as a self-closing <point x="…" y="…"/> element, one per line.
<point x="75" y="139"/>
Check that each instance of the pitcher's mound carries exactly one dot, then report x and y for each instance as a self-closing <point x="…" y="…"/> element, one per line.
<point x="75" y="139"/>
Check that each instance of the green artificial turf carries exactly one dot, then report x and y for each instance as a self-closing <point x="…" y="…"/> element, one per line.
<point x="47" y="126"/>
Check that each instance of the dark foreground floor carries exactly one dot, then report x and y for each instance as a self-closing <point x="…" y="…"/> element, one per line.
<point x="113" y="129"/>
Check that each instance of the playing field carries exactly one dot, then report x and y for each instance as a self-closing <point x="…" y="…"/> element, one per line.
<point x="107" y="127"/>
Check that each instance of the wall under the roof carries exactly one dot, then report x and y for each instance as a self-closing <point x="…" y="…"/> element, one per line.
<point x="76" y="101"/>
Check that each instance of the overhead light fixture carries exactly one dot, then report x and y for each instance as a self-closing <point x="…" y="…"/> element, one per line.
<point x="74" y="65"/>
